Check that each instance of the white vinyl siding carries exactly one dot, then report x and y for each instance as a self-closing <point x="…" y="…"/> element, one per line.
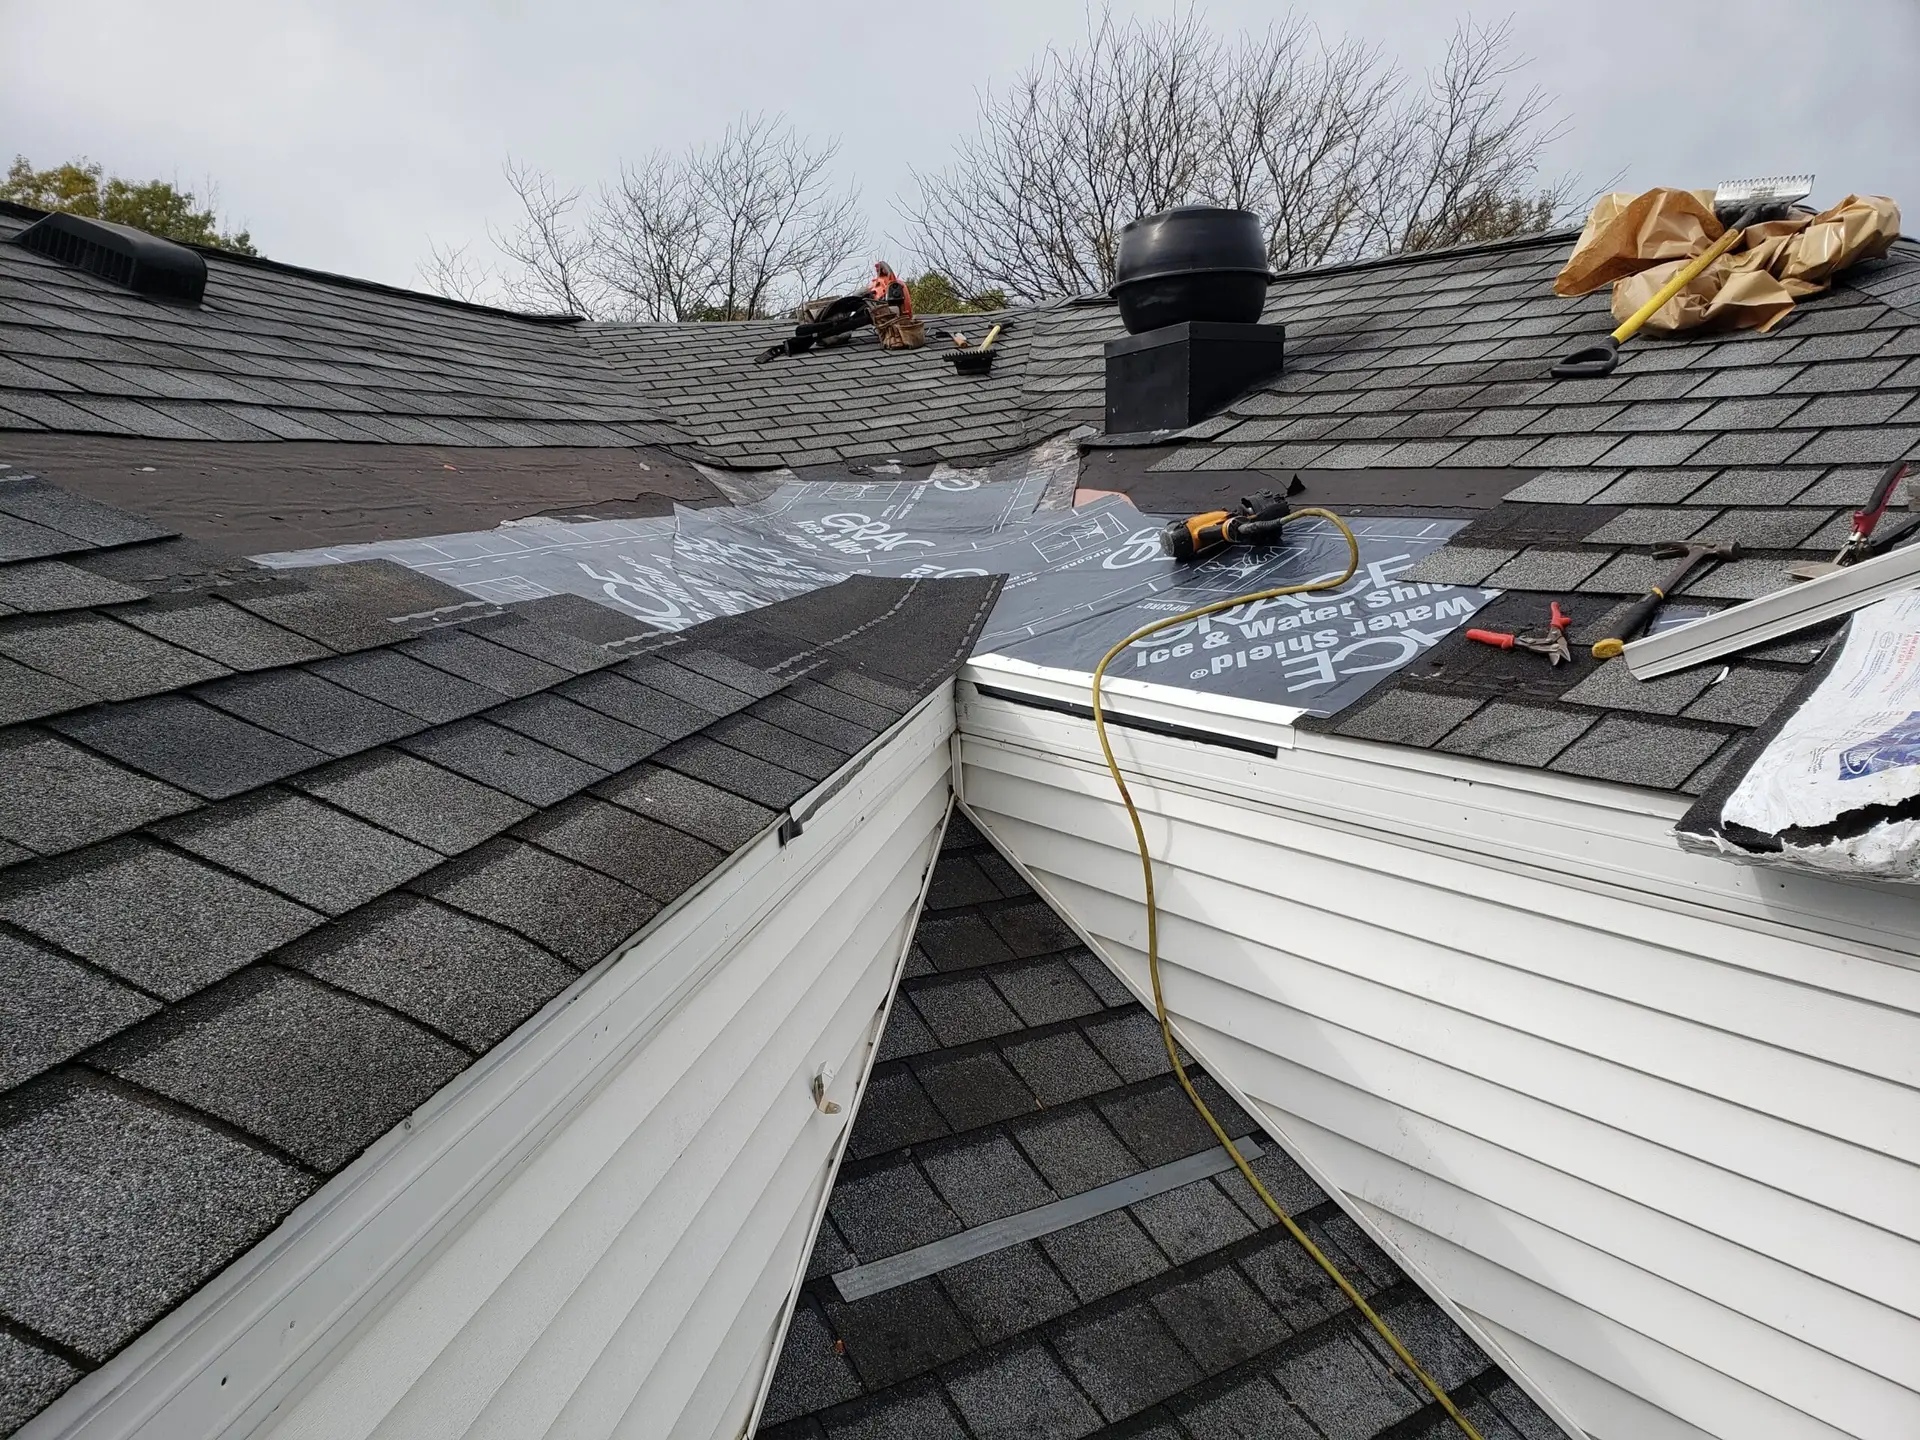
<point x="629" y="1280"/>
<point x="1650" y="1119"/>
<point x="600" y="1228"/>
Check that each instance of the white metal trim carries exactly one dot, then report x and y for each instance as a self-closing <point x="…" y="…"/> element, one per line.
<point x="363" y="1232"/>
<point x="1755" y="622"/>
<point x="1248" y="720"/>
<point x="1508" y="819"/>
<point x="765" y="1386"/>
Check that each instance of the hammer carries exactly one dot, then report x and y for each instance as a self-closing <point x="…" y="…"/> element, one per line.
<point x="1689" y="555"/>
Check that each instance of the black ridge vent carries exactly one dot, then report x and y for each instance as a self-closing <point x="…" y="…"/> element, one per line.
<point x="120" y="255"/>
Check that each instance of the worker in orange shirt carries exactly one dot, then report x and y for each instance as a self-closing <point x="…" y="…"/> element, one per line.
<point x="889" y="289"/>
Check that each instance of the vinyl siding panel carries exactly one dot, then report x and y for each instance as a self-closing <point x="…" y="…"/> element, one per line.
<point x="1653" y="1117"/>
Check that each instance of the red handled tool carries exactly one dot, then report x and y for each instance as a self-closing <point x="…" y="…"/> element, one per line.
<point x="1860" y="542"/>
<point x="1550" y="642"/>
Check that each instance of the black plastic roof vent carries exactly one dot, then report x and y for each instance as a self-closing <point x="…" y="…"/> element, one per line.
<point x="120" y="255"/>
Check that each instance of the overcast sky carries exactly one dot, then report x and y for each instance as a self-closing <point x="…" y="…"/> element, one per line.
<point x="344" y="134"/>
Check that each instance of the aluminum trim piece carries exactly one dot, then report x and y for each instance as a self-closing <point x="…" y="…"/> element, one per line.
<point x="871" y="1279"/>
<point x="1771" y="617"/>
<point x="1258" y="721"/>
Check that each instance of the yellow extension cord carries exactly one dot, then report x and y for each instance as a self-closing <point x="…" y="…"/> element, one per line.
<point x="1153" y="951"/>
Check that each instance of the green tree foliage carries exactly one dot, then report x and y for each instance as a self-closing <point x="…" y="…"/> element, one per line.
<point x="81" y="188"/>
<point x="933" y="294"/>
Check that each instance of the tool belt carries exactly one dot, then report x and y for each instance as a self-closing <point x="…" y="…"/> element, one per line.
<point x="898" y="332"/>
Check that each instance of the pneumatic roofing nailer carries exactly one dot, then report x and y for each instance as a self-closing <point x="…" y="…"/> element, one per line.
<point x="1258" y="521"/>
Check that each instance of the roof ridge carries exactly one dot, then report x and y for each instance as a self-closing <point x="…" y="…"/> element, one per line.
<point x="352" y="282"/>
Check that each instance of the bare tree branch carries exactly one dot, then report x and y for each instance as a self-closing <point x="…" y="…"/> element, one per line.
<point x="1329" y="142"/>
<point x="553" y="253"/>
<point x="449" y="271"/>
<point x="740" y="229"/>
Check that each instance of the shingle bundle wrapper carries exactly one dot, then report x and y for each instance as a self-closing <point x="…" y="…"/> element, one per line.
<point x="1835" y="787"/>
<point x="1639" y="242"/>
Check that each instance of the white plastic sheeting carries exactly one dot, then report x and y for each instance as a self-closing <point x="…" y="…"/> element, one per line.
<point x="1835" y="789"/>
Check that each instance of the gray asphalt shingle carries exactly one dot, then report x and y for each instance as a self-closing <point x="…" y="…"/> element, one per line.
<point x="223" y="633"/>
<point x="160" y="920"/>
<point x="56" y="797"/>
<point x="117" y="1209"/>
<point x="101" y="657"/>
<point x="588" y="735"/>
<point x="189" y="745"/>
<point x="505" y="761"/>
<point x="51" y="1009"/>
<point x="311" y="852"/>
<point x="37" y="586"/>
<point x="660" y="862"/>
<point x="407" y="685"/>
<point x="307" y="709"/>
<point x="422" y="802"/>
<point x="577" y="913"/>
<point x="457" y="975"/>
<point x="704" y="811"/>
<point x="1125" y="1361"/>
<point x="318" y="1074"/>
<point x="1022" y="1392"/>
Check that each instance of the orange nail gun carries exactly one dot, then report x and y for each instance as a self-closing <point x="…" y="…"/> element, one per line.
<point x="1258" y="521"/>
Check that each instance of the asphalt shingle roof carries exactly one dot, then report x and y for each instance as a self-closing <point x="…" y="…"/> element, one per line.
<point x="1763" y="439"/>
<point x="275" y="353"/>
<point x="235" y="804"/>
<point x="1187" y="1314"/>
<point x="248" y="922"/>
<point x="278" y="354"/>
<point x="1419" y="368"/>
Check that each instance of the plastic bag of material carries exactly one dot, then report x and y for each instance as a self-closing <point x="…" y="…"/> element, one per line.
<point x="1724" y="296"/>
<point x="1639" y="242"/>
<point x="1626" y="233"/>
<point x="1835" y="789"/>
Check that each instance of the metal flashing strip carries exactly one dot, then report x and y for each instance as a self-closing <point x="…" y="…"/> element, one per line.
<point x="1190" y="713"/>
<point x="1131" y="722"/>
<point x="1740" y="627"/>
<point x="871" y="1279"/>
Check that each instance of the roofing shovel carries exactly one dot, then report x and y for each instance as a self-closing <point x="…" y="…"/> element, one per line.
<point x="1737" y="204"/>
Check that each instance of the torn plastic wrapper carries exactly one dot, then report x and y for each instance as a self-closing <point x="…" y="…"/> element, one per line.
<point x="1638" y="242"/>
<point x="1837" y="787"/>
